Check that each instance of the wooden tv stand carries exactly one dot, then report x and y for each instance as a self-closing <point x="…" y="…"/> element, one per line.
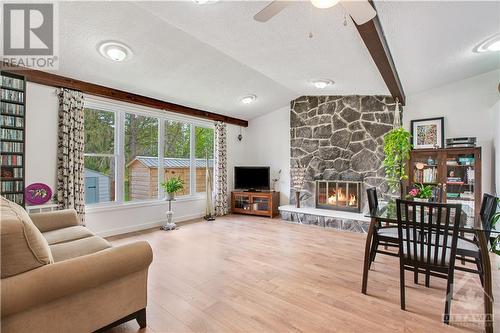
<point x="255" y="203"/>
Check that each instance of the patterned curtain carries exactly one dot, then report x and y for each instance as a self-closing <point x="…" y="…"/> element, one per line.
<point x="70" y="149"/>
<point x="221" y="199"/>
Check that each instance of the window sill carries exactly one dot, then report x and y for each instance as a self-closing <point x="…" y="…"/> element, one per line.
<point x="111" y="206"/>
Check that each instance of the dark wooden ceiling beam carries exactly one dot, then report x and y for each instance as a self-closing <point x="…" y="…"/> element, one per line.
<point x="55" y="80"/>
<point x="374" y="38"/>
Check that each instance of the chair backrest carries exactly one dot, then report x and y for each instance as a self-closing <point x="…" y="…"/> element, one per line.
<point x="488" y="208"/>
<point x="371" y="194"/>
<point x="428" y="233"/>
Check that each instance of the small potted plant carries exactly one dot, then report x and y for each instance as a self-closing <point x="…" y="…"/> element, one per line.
<point x="172" y="186"/>
<point x="421" y="192"/>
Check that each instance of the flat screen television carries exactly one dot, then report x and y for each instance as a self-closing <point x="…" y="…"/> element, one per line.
<point x="251" y="178"/>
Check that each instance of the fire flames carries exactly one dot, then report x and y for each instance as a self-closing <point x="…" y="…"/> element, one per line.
<point x="332" y="200"/>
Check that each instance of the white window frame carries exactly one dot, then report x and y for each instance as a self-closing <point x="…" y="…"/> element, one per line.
<point x="120" y="109"/>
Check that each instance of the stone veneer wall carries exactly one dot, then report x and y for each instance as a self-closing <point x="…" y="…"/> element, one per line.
<point x="340" y="138"/>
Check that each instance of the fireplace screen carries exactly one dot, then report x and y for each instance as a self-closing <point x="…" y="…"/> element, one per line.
<point x="341" y="195"/>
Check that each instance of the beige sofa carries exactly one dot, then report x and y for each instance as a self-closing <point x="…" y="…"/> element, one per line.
<point x="57" y="276"/>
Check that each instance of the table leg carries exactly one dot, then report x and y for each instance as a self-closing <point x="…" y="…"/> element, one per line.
<point x="488" y="294"/>
<point x="366" y="264"/>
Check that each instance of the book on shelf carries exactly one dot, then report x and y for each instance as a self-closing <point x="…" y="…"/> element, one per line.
<point x="11" y="134"/>
<point x="12" y="109"/>
<point x="12" y="82"/>
<point x="11" y="172"/>
<point x="12" y="185"/>
<point x="11" y="160"/>
<point x="427" y="175"/>
<point x="16" y="197"/>
<point x="11" y="147"/>
<point x="12" y="95"/>
<point x="11" y="121"/>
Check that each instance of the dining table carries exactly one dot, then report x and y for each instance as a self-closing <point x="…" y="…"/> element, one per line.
<point x="470" y="225"/>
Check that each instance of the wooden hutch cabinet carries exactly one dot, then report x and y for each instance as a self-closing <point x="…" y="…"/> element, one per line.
<point x="457" y="170"/>
<point x="255" y="203"/>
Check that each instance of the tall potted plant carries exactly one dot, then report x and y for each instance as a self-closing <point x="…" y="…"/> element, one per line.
<point x="397" y="149"/>
<point x="172" y="186"/>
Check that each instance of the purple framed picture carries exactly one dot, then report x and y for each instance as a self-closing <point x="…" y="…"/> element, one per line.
<point x="37" y="193"/>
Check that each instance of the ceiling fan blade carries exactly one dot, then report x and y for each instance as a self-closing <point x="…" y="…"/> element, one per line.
<point x="360" y="11"/>
<point x="270" y="11"/>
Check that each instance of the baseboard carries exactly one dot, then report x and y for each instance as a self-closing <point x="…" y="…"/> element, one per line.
<point x="144" y="226"/>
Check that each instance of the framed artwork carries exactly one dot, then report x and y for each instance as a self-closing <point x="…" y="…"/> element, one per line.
<point x="428" y="133"/>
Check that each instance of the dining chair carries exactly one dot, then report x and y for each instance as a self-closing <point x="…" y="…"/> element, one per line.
<point x="468" y="249"/>
<point x="425" y="245"/>
<point x="382" y="235"/>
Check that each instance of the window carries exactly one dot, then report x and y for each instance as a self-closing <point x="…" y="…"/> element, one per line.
<point x="100" y="159"/>
<point x="177" y="161"/>
<point x="204" y="153"/>
<point x="130" y="150"/>
<point x="141" y="157"/>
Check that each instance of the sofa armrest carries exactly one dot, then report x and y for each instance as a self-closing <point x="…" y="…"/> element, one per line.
<point x="50" y="282"/>
<point x="55" y="220"/>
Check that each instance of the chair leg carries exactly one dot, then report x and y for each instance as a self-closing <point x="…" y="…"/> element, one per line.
<point x="480" y="270"/>
<point x="373" y="251"/>
<point x="141" y="318"/>
<point x="427" y="278"/>
<point x="415" y="275"/>
<point x="449" y="296"/>
<point x="402" y="286"/>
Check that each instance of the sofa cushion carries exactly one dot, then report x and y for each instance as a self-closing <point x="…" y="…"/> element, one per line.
<point x="23" y="247"/>
<point x="66" y="234"/>
<point x="79" y="247"/>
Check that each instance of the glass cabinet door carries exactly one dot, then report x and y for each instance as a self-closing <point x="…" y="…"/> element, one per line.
<point x="460" y="180"/>
<point x="425" y="168"/>
<point x="260" y="204"/>
<point x="242" y="201"/>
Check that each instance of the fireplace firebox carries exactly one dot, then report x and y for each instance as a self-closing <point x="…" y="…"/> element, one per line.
<point x="339" y="195"/>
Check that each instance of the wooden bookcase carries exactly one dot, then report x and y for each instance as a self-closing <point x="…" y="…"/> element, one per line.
<point x="457" y="170"/>
<point x="255" y="203"/>
<point x="12" y="137"/>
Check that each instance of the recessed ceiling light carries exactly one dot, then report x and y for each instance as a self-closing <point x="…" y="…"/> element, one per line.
<point x="322" y="83"/>
<point x="322" y="4"/>
<point x="115" y="51"/>
<point x="492" y="44"/>
<point x="248" y="99"/>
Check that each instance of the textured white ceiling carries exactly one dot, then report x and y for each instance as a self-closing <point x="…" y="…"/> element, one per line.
<point x="432" y="41"/>
<point x="210" y="56"/>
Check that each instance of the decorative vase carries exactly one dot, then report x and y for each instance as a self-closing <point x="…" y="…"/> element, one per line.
<point x="297" y="199"/>
<point x="169" y="196"/>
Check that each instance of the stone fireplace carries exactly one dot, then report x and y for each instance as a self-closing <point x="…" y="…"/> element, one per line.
<point x="338" y="139"/>
<point x="339" y="195"/>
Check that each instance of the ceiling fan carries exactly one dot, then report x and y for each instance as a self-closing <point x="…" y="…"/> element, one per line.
<point x="361" y="11"/>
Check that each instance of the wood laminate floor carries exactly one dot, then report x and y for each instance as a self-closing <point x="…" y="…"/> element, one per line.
<point x="250" y="274"/>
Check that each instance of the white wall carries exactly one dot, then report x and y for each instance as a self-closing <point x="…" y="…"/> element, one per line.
<point x="469" y="110"/>
<point x="267" y="143"/>
<point x="41" y="134"/>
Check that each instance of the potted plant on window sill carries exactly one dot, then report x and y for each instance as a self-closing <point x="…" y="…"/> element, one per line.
<point x="172" y="186"/>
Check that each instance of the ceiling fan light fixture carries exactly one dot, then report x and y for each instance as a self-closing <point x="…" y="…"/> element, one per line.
<point x="323" y="4"/>
<point x="248" y="99"/>
<point x="491" y="44"/>
<point x="204" y="2"/>
<point x="322" y="83"/>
